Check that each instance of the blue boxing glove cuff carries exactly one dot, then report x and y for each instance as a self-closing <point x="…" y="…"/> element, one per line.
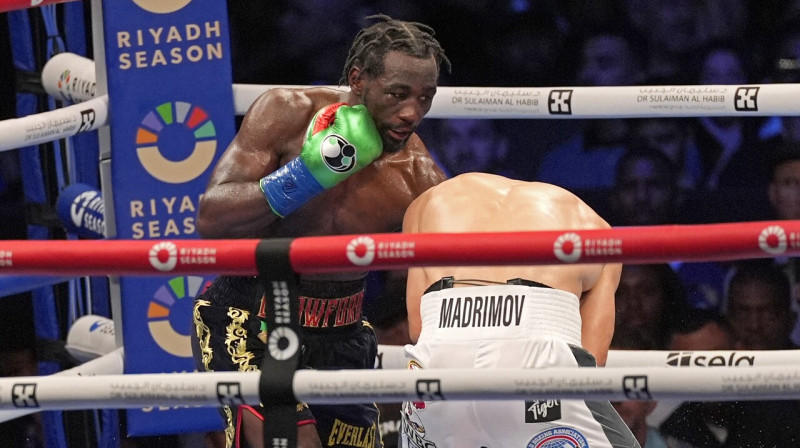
<point x="289" y="187"/>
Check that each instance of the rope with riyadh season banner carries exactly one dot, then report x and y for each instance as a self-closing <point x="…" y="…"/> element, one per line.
<point x="353" y="253"/>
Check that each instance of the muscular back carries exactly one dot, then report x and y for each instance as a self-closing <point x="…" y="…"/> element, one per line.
<point x="478" y="202"/>
<point x="272" y="133"/>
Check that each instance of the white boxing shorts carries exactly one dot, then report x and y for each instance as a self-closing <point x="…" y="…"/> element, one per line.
<point x="505" y="326"/>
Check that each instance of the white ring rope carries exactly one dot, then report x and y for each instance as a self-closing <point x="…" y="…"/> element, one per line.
<point x="390" y="386"/>
<point x="465" y="102"/>
<point x="749" y="375"/>
<point x="393" y="357"/>
<point x="55" y="124"/>
<point x="108" y="364"/>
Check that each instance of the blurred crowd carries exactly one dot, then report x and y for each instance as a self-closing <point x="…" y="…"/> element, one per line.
<point x="645" y="171"/>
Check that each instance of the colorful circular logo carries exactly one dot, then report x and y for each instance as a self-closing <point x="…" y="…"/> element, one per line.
<point x="568" y="247"/>
<point x="361" y="250"/>
<point x="167" y="311"/>
<point x="162" y="6"/>
<point x="167" y="133"/>
<point x="63" y="80"/>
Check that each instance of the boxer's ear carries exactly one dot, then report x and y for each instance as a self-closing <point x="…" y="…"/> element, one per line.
<point x="356" y="80"/>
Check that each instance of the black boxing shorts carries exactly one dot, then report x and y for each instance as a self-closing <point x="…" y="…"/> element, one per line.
<point x="229" y="336"/>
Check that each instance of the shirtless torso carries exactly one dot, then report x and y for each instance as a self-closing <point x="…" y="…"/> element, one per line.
<point x="370" y="201"/>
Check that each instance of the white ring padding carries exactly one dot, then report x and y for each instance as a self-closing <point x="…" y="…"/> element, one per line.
<point x="393" y="357"/>
<point x="108" y="364"/>
<point x="390" y="386"/>
<point x="71" y="77"/>
<point x="53" y="125"/>
<point x="90" y="337"/>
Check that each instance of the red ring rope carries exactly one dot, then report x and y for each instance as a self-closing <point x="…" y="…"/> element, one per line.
<point x="393" y="251"/>
<point x="14" y="5"/>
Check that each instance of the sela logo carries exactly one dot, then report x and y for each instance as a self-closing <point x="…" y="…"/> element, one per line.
<point x="560" y="102"/>
<point x="429" y="390"/>
<point x="539" y="411"/>
<point x="229" y="394"/>
<point x="635" y="387"/>
<point x="746" y="99"/>
<point x="23" y="395"/>
<point x="687" y="359"/>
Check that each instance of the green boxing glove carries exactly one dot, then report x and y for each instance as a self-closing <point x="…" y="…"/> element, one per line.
<point x="340" y="141"/>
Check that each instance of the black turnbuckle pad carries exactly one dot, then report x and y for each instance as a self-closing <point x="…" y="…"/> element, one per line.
<point x="284" y="342"/>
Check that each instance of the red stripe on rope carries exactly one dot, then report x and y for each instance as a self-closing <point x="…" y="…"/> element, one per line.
<point x="633" y="245"/>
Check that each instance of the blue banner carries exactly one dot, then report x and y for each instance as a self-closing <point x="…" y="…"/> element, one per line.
<point x="171" y="116"/>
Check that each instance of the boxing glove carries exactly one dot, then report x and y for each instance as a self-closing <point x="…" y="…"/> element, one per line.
<point x="340" y="141"/>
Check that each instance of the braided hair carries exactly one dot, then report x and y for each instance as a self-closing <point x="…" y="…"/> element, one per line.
<point x="373" y="43"/>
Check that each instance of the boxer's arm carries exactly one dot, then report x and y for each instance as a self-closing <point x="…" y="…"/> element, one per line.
<point x="597" y="313"/>
<point x="233" y="205"/>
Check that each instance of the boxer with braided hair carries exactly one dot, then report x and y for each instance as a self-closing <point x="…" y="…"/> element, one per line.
<point x="310" y="162"/>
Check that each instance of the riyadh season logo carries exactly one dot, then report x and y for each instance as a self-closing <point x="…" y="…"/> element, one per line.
<point x="164" y="256"/>
<point x="568" y="247"/>
<point x="772" y="240"/>
<point x="167" y="311"/>
<point x="361" y="250"/>
<point x="176" y="142"/>
<point x="161" y="6"/>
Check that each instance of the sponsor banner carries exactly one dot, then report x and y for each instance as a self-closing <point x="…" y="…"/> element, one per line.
<point x="169" y="84"/>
